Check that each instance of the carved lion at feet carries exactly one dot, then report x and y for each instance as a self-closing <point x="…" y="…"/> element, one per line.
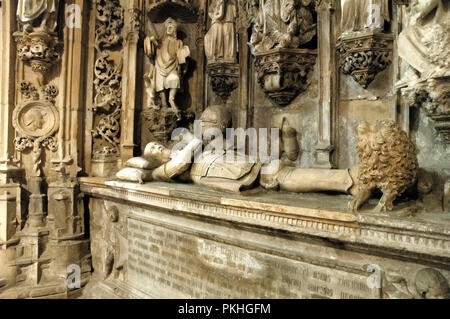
<point x="388" y="162"/>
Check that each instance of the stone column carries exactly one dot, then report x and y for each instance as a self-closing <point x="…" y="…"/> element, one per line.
<point x="327" y="84"/>
<point x="133" y="17"/>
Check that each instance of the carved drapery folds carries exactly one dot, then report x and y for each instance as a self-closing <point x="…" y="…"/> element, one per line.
<point x="279" y="29"/>
<point x="364" y="56"/>
<point x="107" y="103"/>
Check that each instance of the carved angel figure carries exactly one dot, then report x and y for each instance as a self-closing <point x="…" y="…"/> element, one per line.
<point x="220" y="41"/>
<point x="30" y="10"/>
<point x="169" y="54"/>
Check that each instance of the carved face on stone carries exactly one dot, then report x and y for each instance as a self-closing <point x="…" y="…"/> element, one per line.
<point x="157" y="151"/>
<point x="171" y="27"/>
<point x="34" y="120"/>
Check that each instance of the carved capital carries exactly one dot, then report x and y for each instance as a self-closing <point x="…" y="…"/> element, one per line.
<point x="282" y="73"/>
<point x="224" y="78"/>
<point x="364" y="56"/>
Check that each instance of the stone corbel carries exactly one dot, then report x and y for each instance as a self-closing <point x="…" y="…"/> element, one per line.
<point x="224" y="78"/>
<point x="41" y="50"/>
<point x="364" y="56"/>
<point x="282" y="73"/>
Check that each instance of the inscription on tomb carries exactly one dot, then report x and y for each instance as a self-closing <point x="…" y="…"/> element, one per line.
<point x="177" y="265"/>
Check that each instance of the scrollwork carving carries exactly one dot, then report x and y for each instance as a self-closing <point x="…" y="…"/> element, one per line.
<point x="107" y="104"/>
<point x="224" y="78"/>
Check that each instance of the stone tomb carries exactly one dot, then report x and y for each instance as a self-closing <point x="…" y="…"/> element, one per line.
<point x="173" y="241"/>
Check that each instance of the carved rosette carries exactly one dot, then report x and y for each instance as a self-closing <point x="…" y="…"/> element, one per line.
<point x="434" y="96"/>
<point x="224" y="78"/>
<point x="364" y="56"/>
<point x="282" y="73"/>
<point x="40" y="50"/>
<point x="36" y="121"/>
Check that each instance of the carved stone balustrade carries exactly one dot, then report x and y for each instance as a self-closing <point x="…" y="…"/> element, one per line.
<point x="282" y="73"/>
<point x="364" y="56"/>
<point x="224" y="78"/>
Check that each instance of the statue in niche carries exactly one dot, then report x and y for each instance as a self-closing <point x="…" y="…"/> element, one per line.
<point x="363" y="15"/>
<point x="28" y="11"/>
<point x="220" y="41"/>
<point x="425" y="43"/>
<point x="281" y="24"/>
<point x="169" y="55"/>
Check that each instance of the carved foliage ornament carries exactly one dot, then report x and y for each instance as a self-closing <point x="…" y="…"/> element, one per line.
<point x="108" y="77"/>
<point x="224" y="78"/>
<point x="363" y="57"/>
<point x="36" y="121"/>
<point x="282" y="73"/>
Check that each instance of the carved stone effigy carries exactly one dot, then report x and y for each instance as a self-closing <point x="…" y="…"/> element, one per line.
<point x="279" y="28"/>
<point x="364" y="56"/>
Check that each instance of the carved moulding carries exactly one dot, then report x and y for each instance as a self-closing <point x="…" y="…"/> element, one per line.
<point x="282" y="73"/>
<point x="224" y="78"/>
<point x="434" y="96"/>
<point x="39" y="49"/>
<point x="364" y="56"/>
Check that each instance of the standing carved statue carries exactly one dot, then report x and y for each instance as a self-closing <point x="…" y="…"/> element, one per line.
<point x="425" y="43"/>
<point x="169" y="55"/>
<point x="362" y="15"/>
<point x="220" y="41"/>
<point x="28" y="11"/>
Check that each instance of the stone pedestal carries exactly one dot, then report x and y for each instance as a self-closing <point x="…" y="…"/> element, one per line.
<point x="8" y="223"/>
<point x="224" y="78"/>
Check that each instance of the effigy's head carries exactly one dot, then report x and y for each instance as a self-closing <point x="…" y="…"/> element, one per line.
<point x="156" y="151"/>
<point x="215" y="117"/>
<point x="171" y="26"/>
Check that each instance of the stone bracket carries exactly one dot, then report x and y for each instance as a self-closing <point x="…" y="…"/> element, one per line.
<point x="282" y="73"/>
<point x="224" y="78"/>
<point x="364" y="56"/>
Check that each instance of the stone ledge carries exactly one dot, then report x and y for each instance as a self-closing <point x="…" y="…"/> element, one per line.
<point x="404" y="237"/>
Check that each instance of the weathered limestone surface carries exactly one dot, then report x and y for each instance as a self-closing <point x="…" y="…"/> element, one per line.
<point x="173" y="241"/>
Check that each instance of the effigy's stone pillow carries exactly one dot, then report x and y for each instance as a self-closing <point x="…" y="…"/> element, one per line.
<point x="136" y="175"/>
<point x="142" y="163"/>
